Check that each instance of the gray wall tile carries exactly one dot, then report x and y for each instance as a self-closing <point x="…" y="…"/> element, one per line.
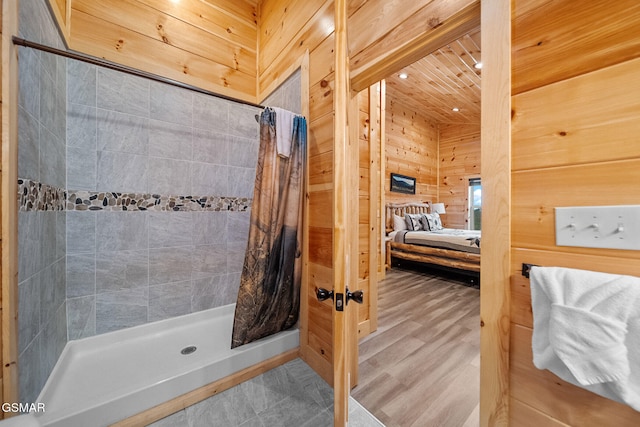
<point x="123" y="93"/>
<point x="207" y="292"/>
<point x="243" y="123"/>
<point x="209" y="227"/>
<point x="209" y="260"/>
<point x="210" y="147"/>
<point x="53" y="164"/>
<point x="81" y="232"/>
<point x="168" y="265"/>
<point x="210" y="113"/>
<point x="121" y="231"/>
<point x="124" y="133"/>
<point x="84" y="88"/>
<point x="209" y="179"/>
<point x="52" y="290"/>
<point x="168" y="176"/>
<point x="122" y="172"/>
<point x="122" y="309"/>
<point x="52" y="106"/>
<point x="169" y="229"/>
<point x="243" y="152"/>
<point x="31" y="378"/>
<point x="81" y="317"/>
<point x="81" y="275"/>
<point x="29" y="84"/>
<point x="82" y="166"/>
<point x="171" y="104"/>
<point x="41" y="242"/>
<point x="29" y="309"/>
<point x="82" y="126"/>
<point x="170" y="140"/>
<point x="241" y="181"/>
<point x="54" y="338"/>
<point x="29" y="245"/>
<point x="169" y="300"/>
<point x="29" y="146"/>
<point x="115" y="271"/>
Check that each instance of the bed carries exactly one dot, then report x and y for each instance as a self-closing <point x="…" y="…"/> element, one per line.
<point x="445" y="247"/>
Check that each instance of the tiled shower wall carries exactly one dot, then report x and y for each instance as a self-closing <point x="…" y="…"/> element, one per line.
<point x="159" y="182"/>
<point x="42" y="317"/>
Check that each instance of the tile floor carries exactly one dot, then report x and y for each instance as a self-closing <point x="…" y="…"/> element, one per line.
<point x="291" y="395"/>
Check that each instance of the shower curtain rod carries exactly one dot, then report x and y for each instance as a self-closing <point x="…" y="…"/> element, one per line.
<point x="123" y="68"/>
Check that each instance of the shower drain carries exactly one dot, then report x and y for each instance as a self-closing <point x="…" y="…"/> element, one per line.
<point x="188" y="350"/>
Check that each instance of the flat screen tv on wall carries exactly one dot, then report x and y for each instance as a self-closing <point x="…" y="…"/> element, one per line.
<point x="403" y="184"/>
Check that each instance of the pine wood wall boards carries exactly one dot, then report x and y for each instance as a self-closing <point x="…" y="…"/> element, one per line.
<point x="411" y="146"/>
<point x="208" y="44"/>
<point x="396" y="38"/>
<point x="9" y="204"/>
<point x="545" y="48"/>
<point x="574" y="129"/>
<point x="459" y="161"/>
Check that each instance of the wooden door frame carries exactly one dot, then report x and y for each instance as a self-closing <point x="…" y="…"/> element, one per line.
<point x="494" y="19"/>
<point x="9" y="204"/>
<point x="343" y="192"/>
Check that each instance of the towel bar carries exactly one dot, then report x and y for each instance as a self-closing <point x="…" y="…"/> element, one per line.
<point x="526" y="268"/>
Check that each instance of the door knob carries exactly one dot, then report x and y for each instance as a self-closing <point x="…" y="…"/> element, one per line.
<point x="357" y="296"/>
<point x="323" y="294"/>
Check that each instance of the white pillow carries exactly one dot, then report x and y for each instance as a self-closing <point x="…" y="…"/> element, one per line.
<point x="399" y="223"/>
<point x="414" y="222"/>
<point x="437" y="220"/>
<point x="428" y="222"/>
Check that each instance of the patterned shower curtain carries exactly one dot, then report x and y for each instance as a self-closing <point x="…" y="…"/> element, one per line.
<point x="269" y="295"/>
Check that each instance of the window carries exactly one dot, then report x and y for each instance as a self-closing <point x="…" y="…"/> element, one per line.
<point x="475" y="204"/>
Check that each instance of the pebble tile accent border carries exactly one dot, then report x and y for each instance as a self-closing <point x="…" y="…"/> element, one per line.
<point x="33" y="195"/>
<point x="36" y="196"/>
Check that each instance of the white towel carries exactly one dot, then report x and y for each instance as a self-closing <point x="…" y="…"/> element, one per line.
<point x="586" y="330"/>
<point x="284" y="131"/>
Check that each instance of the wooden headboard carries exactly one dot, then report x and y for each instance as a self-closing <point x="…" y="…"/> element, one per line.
<point x="401" y="209"/>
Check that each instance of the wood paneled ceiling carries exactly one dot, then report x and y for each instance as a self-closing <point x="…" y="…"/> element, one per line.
<point x="441" y="81"/>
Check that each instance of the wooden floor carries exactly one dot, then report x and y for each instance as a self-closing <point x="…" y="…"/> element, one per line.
<point x="422" y="366"/>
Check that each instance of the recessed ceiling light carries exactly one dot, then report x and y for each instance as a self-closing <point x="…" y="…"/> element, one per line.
<point x="456" y="109"/>
<point x="477" y="65"/>
<point x="403" y="75"/>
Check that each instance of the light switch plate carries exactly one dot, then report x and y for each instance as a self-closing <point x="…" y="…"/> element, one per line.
<point x="610" y="227"/>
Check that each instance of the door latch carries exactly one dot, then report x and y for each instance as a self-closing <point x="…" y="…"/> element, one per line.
<point x="323" y="294"/>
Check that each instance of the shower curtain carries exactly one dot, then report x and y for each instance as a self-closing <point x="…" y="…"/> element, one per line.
<point x="269" y="294"/>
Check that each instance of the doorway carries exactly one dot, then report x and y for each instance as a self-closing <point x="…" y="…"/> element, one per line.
<point x="423" y="325"/>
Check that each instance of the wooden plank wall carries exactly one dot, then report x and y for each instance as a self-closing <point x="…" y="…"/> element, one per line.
<point x="287" y="29"/>
<point x="380" y="28"/>
<point x="370" y="260"/>
<point x="209" y="44"/>
<point x="411" y="149"/>
<point x="576" y="101"/>
<point x="459" y="153"/>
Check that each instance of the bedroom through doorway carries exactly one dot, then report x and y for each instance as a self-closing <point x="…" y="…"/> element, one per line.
<point x="432" y="134"/>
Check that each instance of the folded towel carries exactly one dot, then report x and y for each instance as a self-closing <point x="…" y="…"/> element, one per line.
<point x="284" y="131"/>
<point x="586" y="330"/>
